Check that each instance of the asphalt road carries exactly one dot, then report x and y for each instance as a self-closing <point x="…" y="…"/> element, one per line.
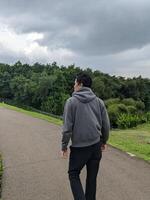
<point x="33" y="169"/>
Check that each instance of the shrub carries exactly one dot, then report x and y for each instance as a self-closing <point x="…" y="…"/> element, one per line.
<point x="112" y="101"/>
<point x="50" y="105"/>
<point x="122" y="108"/>
<point x="129" y="102"/>
<point x="147" y="115"/>
<point x="132" y="109"/>
<point x="128" y="121"/>
<point x="113" y="112"/>
<point x="139" y="105"/>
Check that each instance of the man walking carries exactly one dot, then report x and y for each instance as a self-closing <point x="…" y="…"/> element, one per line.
<point x="86" y="123"/>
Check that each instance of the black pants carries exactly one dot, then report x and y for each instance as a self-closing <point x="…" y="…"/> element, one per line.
<point x="79" y="157"/>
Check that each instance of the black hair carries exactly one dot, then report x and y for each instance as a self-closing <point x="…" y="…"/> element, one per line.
<point x="85" y="79"/>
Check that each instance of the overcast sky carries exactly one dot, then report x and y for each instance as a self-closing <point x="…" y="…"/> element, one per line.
<point x="110" y="35"/>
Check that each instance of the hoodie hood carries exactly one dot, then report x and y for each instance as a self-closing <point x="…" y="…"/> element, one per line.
<point x="84" y="95"/>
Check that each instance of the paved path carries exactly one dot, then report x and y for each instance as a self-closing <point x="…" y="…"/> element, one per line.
<point x="33" y="169"/>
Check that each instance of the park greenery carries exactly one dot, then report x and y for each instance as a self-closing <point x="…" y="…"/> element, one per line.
<point x="134" y="140"/>
<point x="41" y="91"/>
<point x="1" y="171"/>
<point x="46" y="87"/>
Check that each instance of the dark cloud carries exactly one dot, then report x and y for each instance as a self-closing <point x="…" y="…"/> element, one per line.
<point x="103" y="27"/>
<point x="88" y="28"/>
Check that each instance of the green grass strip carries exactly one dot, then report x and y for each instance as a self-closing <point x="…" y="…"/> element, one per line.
<point x="33" y="114"/>
<point x="1" y="172"/>
<point x="1" y="166"/>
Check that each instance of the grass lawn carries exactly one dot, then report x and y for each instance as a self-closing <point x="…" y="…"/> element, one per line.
<point x="135" y="140"/>
<point x="1" y="166"/>
<point x="1" y="171"/>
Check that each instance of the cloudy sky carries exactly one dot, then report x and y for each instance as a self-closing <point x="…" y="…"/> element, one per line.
<point x="110" y="35"/>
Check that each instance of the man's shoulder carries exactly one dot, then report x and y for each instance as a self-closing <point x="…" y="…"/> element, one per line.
<point x="101" y="102"/>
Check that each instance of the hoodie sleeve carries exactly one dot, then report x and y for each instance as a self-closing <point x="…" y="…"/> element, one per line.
<point x="67" y="124"/>
<point x="105" y="125"/>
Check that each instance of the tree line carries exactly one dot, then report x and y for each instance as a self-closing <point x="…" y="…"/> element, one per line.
<point x="47" y="86"/>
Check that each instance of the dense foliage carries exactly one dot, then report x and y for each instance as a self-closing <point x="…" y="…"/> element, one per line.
<point x="46" y="87"/>
<point x="126" y="113"/>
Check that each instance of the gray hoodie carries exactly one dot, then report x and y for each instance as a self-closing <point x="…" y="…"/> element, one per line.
<point x="85" y="120"/>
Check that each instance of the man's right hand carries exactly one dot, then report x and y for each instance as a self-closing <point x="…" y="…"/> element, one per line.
<point x="103" y="147"/>
<point x="64" y="153"/>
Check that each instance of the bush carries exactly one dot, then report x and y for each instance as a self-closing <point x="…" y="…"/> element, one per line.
<point x="129" y="102"/>
<point x="140" y="105"/>
<point x="122" y="108"/>
<point x="114" y="110"/>
<point x="128" y="121"/>
<point x="132" y="109"/>
<point x="147" y="115"/>
<point x="50" y="105"/>
<point x="110" y="102"/>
